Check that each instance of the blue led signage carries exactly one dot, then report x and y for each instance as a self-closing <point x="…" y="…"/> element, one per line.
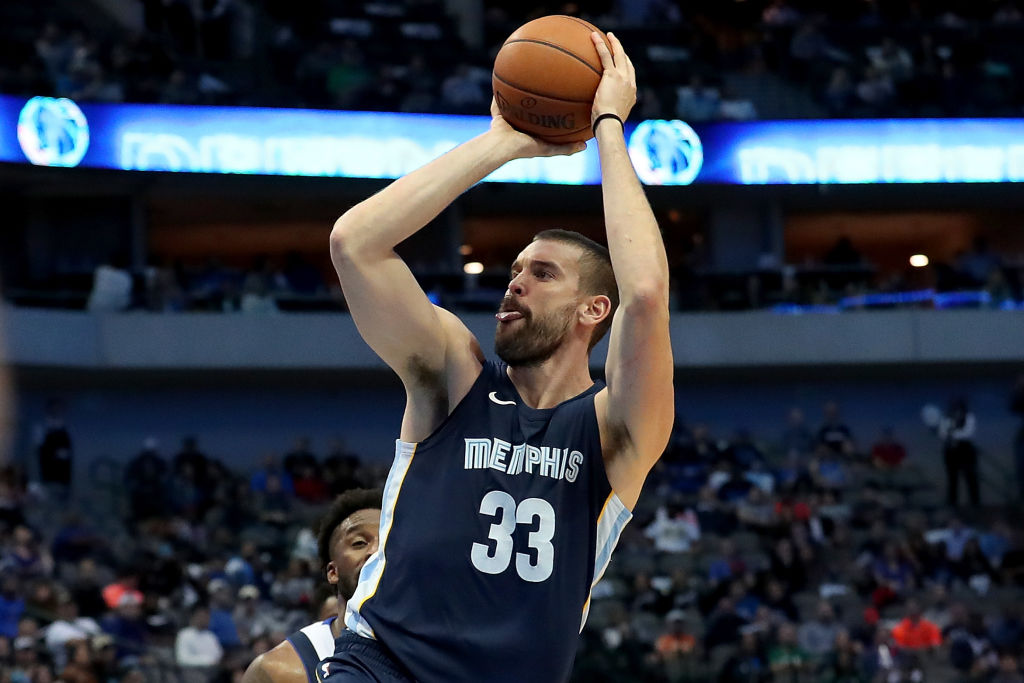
<point x="135" y="137"/>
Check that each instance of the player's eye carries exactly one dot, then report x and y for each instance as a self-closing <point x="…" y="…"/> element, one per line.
<point x="358" y="544"/>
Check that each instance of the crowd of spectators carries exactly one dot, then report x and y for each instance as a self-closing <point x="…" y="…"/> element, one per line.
<point x="811" y="557"/>
<point x="842" y="278"/>
<point x="816" y="554"/>
<point x="268" y="285"/>
<point x="181" y="571"/>
<point x="699" y="61"/>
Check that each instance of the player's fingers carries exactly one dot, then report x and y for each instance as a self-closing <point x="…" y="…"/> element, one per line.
<point x="494" y="108"/>
<point x="602" y="51"/>
<point x="630" y="72"/>
<point x="617" y="51"/>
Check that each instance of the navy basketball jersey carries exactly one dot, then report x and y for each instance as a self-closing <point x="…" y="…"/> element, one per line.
<point x="313" y="643"/>
<point x="494" y="530"/>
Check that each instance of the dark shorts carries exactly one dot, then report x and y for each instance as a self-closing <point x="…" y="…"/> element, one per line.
<point x="361" y="660"/>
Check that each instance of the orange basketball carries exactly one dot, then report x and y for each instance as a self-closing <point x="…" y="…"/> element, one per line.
<point x="545" y="77"/>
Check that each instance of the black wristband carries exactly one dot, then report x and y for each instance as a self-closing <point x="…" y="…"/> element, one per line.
<point x="604" y="116"/>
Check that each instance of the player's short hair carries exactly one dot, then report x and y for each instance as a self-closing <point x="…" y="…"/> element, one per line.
<point x="596" y="274"/>
<point x="343" y="507"/>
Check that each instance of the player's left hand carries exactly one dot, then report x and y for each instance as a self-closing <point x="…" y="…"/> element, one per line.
<point x="616" y="93"/>
<point x="520" y="145"/>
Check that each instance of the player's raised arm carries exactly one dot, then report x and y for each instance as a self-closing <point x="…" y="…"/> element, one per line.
<point x="419" y="342"/>
<point x="638" y="411"/>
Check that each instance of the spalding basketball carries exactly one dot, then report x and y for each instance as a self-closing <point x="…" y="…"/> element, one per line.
<point x="545" y="77"/>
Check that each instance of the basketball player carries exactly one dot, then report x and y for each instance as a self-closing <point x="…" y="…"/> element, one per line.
<point x="347" y="537"/>
<point x="511" y="481"/>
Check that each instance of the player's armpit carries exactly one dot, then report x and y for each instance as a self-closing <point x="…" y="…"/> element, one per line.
<point x="431" y="395"/>
<point x="463" y="357"/>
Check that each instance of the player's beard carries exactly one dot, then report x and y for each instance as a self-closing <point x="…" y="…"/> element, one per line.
<point x="346" y="587"/>
<point x="533" y="340"/>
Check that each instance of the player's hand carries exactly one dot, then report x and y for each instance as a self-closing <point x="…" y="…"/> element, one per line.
<point x="519" y="145"/>
<point x="616" y="93"/>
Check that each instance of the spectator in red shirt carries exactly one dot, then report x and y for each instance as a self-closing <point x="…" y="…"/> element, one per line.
<point x="888" y="453"/>
<point x="308" y="486"/>
<point x="127" y="583"/>
<point x="676" y="642"/>
<point x="915" y="632"/>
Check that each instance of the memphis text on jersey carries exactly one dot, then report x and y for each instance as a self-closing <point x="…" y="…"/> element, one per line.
<point x="542" y="461"/>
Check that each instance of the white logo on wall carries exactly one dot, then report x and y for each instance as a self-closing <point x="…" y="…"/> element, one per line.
<point x="53" y="132"/>
<point x="666" y="152"/>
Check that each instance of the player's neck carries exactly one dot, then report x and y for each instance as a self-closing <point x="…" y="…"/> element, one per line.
<point x="338" y="625"/>
<point x="557" y="379"/>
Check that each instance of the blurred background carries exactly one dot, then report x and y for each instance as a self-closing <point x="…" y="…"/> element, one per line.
<point x="842" y="495"/>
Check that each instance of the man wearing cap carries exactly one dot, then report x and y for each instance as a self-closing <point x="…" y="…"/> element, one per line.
<point x="347" y="538"/>
<point x="104" y="657"/>
<point x="26" y="657"/>
<point x="127" y="625"/>
<point x="222" y="621"/>
<point x="252" y="617"/>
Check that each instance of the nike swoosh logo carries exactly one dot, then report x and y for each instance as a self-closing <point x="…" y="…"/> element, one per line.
<point x="494" y="397"/>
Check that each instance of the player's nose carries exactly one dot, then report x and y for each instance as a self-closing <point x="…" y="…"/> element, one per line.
<point x="515" y="286"/>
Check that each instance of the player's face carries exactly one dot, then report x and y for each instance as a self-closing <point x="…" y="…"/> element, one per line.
<point x="540" y="304"/>
<point x="353" y="543"/>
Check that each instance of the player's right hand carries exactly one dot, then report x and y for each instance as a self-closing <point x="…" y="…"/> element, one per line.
<point x="616" y="94"/>
<point x="519" y="145"/>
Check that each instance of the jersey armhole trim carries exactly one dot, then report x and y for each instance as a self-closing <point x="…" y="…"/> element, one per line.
<point x="610" y="522"/>
<point x="372" y="572"/>
<point x="303" y="647"/>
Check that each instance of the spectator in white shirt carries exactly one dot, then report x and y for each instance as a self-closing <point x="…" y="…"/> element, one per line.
<point x="68" y="627"/>
<point x="956" y="538"/>
<point x="196" y="647"/>
<point x="111" y="289"/>
<point x="674" y="529"/>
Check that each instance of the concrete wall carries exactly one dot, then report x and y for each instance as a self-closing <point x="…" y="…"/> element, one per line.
<point x="290" y="341"/>
<point x="248" y="385"/>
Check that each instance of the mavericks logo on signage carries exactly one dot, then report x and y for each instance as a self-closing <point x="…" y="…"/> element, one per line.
<point x="53" y="132"/>
<point x="666" y="152"/>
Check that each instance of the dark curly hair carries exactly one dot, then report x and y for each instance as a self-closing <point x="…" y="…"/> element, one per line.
<point x="341" y="509"/>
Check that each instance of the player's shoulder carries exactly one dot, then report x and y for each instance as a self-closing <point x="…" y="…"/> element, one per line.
<point x="458" y="336"/>
<point x="281" y="664"/>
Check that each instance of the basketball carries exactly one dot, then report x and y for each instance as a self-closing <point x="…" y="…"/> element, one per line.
<point x="545" y="77"/>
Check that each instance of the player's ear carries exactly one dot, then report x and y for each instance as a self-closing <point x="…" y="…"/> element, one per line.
<point x="595" y="309"/>
<point x="332" y="573"/>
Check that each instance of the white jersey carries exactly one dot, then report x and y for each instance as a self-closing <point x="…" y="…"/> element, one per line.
<point x="313" y="643"/>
